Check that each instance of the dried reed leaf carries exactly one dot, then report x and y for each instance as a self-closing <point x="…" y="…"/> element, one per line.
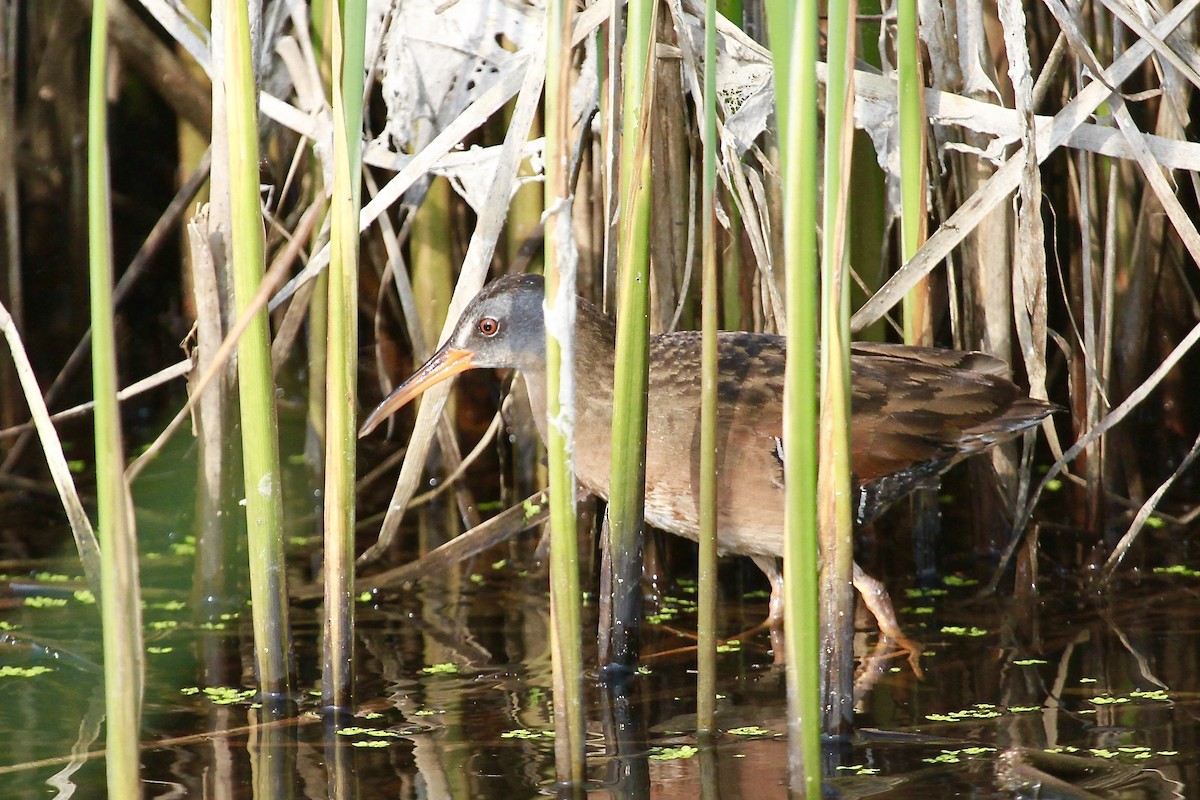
<point x="471" y="277"/>
<point x="279" y="267"/>
<point x="1029" y="267"/>
<point x="1180" y="218"/>
<point x="438" y="62"/>
<point x="1135" y="398"/>
<point x="1050" y="137"/>
<point x="60" y="472"/>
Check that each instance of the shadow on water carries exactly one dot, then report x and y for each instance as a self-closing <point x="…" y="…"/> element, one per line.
<point x="1056" y="694"/>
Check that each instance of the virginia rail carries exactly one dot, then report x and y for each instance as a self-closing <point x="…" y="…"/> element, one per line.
<point x="916" y="412"/>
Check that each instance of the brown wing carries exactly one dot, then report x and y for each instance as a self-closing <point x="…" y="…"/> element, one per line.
<point x="934" y="356"/>
<point x="916" y="411"/>
<point x="910" y="404"/>
<point x="908" y="411"/>
<point x="749" y="394"/>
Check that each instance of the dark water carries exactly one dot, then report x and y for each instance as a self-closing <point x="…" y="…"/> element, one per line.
<point x="1062" y="693"/>
<point x="1066" y="693"/>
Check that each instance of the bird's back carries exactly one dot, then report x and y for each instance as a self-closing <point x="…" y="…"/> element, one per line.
<point x="915" y="413"/>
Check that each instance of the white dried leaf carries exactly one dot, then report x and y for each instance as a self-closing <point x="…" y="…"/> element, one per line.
<point x="745" y="87"/>
<point x="472" y="172"/>
<point x="878" y="121"/>
<point x="436" y="64"/>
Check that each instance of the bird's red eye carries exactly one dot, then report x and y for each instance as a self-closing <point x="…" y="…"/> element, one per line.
<point x="488" y="326"/>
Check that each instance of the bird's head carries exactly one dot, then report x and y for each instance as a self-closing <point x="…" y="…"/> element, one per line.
<point x="502" y="326"/>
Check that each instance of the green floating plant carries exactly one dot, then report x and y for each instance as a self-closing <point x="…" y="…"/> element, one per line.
<point x="378" y="733"/>
<point x="9" y="671"/>
<point x="446" y="668"/>
<point x="165" y="605"/>
<point x="531" y="508"/>
<point x="220" y="695"/>
<point x="672" y="753"/>
<point x="914" y="593"/>
<point x="857" y="769"/>
<point x="1178" y="569"/>
<point x="185" y="548"/>
<point x="53" y="577"/>
<point x="958" y="630"/>
<point x="957" y="756"/>
<point x="527" y="734"/>
<point x="1123" y="753"/>
<point x="977" y="712"/>
<point x="45" y="602"/>
<point x="749" y="730"/>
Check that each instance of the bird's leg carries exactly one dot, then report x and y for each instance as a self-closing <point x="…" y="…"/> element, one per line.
<point x="875" y="597"/>
<point x="774" y="622"/>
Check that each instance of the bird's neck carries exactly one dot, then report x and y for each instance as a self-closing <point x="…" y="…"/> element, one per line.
<point x="595" y="343"/>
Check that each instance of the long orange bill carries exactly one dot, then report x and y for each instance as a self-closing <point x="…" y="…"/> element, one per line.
<point x="445" y="363"/>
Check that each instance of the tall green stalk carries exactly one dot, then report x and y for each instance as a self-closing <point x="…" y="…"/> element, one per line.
<point x="260" y="443"/>
<point x="318" y="303"/>
<point x="341" y="392"/>
<point x="121" y="601"/>
<point x="706" y="596"/>
<point x="794" y="50"/>
<point x="631" y="378"/>
<point x="834" y="516"/>
<point x="565" y="610"/>
<point x="431" y="265"/>
<point x="912" y="167"/>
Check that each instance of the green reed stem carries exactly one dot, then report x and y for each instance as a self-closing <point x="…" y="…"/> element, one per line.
<point x="833" y="487"/>
<point x="706" y="596"/>
<point x="794" y="48"/>
<point x="431" y="265"/>
<point x="121" y="600"/>
<point x="912" y="166"/>
<point x="565" y="600"/>
<point x="318" y="303"/>
<point x="260" y="438"/>
<point x="631" y="375"/>
<point x="341" y="392"/>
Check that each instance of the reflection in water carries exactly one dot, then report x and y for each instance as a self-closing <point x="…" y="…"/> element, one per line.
<point x="1055" y="693"/>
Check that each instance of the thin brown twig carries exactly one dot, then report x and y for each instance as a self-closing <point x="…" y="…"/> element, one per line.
<point x="154" y="241"/>
<point x="270" y="282"/>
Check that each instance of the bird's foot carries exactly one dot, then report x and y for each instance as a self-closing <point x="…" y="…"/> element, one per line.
<point x="879" y="603"/>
